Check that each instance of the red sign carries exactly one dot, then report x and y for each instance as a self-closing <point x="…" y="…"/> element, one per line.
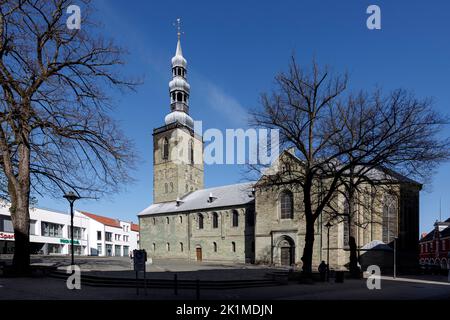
<point x="7" y="236"/>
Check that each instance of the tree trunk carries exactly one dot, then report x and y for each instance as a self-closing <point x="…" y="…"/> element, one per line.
<point x="21" y="221"/>
<point x="308" y="248"/>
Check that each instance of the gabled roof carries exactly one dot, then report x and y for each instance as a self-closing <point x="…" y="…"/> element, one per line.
<point x="104" y="220"/>
<point x="442" y="233"/>
<point x="223" y="196"/>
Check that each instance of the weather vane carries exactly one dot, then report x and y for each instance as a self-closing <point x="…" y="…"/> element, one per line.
<point x="178" y="26"/>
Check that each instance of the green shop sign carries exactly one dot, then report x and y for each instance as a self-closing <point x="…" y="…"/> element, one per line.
<point x="68" y="241"/>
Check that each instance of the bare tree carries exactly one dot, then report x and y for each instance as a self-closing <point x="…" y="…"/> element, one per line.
<point x="336" y="136"/>
<point x="55" y="132"/>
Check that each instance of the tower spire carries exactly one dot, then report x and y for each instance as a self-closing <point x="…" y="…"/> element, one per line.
<point x="179" y="87"/>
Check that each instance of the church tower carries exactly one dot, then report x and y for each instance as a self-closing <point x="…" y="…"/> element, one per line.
<point x="177" y="150"/>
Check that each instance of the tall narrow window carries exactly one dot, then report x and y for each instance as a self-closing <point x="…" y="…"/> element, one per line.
<point x="286" y="205"/>
<point x="389" y="218"/>
<point x="235" y="218"/>
<point x="167" y="220"/>
<point x="215" y="220"/>
<point x="215" y="246"/>
<point x="191" y="152"/>
<point x="181" y="246"/>
<point x="200" y="221"/>
<point x="233" y="246"/>
<point x="168" y="246"/>
<point x="165" y="153"/>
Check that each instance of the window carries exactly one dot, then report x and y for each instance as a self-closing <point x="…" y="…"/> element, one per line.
<point x="200" y="221"/>
<point x="389" y="218"/>
<point x="117" y="250"/>
<point x="33" y="227"/>
<point x="168" y="246"/>
<point x="125" y="238"/>
<point x="235" y="218"/>
<point x="165" y="151"/>
<point x="167" y="220"/>
<point x="109" y="249"/>
<point x="77" y="233"/>
<point x="108" y="236"/>
<point x="51" y="230"/>
<point x="154" y="246"/>
<point x="233" y="246"/>
<point x="154" y="221"/>
<point x="171" y="187"/>
<point x="7" y="225"/>
<point x="126" y="251"/>
<point x="99" y="235"/>
<point x="215" y="220"/>
<point x="54" y="248"/>
<point x="166" y="188"/>
<point x="99" y="249"/>
<point x="191" y="152"/>
<point x="286" y="205"/>
<point x="215" y="246"/>
<point x="181" y="219"/>
<point x="181" y="246"/>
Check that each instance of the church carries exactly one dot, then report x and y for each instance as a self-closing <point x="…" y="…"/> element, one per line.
<point x="241" y="223"/>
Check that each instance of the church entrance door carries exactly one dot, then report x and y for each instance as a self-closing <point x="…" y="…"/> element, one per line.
<point x="287" y="252"/>
<point x="199" y="254"/>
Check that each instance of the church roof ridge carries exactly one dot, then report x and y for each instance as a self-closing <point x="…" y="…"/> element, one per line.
<point x="225" y="196"/>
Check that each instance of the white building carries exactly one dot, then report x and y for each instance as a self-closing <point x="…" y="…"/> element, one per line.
<point x="111" y="237"/>
<point x="50" y="233"/>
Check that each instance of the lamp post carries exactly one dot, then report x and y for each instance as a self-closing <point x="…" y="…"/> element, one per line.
<point x="71" y="197"/>
<point x="328" y="225"/>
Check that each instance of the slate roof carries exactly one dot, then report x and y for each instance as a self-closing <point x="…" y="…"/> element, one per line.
<point x="223" y="196"/>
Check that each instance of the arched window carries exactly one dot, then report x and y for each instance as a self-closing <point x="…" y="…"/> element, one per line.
<point x="215" y="220"/>
<point x="233" y="246"/>
<point x="179" y="97"/>
<point x="154" y="221"/>
<point x="215" y="246"/>
<point x="200" y="221"/>
<point x="286" y="205"/>
<point x="181" y="219"/>
<point x="165" y="151"/>
<point x="235" y="218"/>
<point x="181" y="246"/>
<point x="167" y="220"/>
<point x="168" y="246"/>
<point x="154" y="246"/>
<point x="191" y="152"/>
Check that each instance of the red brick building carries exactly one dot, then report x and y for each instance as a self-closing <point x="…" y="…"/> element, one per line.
<point x="434" y="246"/>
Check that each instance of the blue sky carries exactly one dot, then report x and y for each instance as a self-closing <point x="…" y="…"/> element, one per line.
<point x="234" y="49"/>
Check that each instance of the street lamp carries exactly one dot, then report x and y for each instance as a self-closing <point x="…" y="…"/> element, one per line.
<point x="71" y="197"/>
<point x="328" y="225"/>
